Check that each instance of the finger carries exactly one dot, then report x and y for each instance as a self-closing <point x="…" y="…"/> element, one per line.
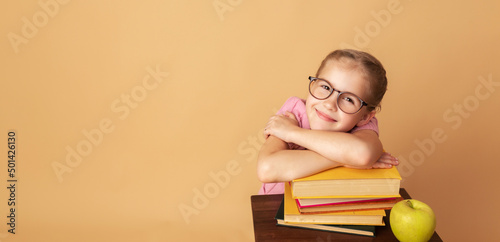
<point x="274" y="117"/>
<point x="290" y="115"/>
<point x="267" y="130"/>
<point x="386" y="155"/>
<point x="389" y="162"/>
<point x="380" y="165"/>
<point x="388" y="158"/>
<point x="266" y="135"/>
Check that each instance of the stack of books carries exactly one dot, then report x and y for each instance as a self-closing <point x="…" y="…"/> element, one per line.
<point x="341" y="199"/>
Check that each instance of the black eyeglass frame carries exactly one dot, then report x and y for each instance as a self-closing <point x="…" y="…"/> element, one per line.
<point x="312" y="79"/>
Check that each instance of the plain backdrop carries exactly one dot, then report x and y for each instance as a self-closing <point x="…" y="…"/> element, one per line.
<point x="141" y="120"/>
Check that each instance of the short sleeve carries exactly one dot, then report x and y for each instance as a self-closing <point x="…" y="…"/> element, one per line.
<point x="296" y="106"/>
<point x="372" y="125"/>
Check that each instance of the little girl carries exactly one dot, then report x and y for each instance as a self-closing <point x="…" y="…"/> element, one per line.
<point x="335" y="125"/>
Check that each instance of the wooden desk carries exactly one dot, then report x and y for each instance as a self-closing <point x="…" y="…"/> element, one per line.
<point x="264" y="208"/>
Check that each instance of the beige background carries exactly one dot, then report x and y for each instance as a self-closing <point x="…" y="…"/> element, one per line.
<point x="187" y="141"/>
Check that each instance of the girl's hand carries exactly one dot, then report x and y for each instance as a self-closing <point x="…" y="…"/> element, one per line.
<point x="281" y="126"/>
<point x="385" y="161"/>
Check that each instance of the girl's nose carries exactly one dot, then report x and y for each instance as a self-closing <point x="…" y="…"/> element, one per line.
<point x="331" y="102"/>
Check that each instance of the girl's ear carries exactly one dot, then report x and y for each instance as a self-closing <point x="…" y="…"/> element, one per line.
<point x="366" y="118"/>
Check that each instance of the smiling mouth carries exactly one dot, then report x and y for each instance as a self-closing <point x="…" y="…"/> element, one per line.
<point x="325" y="117"/>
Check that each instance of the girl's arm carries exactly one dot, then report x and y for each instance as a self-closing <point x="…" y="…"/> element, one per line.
<point x="361" y="149"/>
<point x="276" y="163"/>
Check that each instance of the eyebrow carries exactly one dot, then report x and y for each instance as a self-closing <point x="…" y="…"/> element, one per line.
<point x="332" y="85"/>
<point x="338" y="89"/>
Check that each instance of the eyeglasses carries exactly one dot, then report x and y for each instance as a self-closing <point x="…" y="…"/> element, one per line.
<point x="347" y="102"/>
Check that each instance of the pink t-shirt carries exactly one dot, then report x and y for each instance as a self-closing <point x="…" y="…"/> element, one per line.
<point x="297" y="106"/>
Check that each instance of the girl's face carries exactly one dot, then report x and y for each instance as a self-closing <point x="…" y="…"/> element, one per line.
<point x="325" y="114"/>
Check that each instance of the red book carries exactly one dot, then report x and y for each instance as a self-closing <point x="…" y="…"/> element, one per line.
<point x="326" y="205"/>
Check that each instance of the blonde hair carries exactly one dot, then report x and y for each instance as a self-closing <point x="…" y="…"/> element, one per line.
<point x="369" y="65"/>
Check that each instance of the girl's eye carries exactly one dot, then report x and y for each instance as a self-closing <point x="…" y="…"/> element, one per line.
<point x="326" y="87"/>
<point x="348" y="99"/>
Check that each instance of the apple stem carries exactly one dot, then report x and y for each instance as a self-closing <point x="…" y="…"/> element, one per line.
<point x="409" y="203"/>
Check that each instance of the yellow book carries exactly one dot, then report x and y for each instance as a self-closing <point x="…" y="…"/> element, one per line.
<point x="349" y="182"/>
<point x="292" y="214"/>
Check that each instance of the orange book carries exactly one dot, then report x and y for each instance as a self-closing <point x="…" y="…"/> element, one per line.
<point x="349" y="182"/>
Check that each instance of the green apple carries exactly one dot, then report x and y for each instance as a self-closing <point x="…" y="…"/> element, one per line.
<point x="412" y="220"/>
